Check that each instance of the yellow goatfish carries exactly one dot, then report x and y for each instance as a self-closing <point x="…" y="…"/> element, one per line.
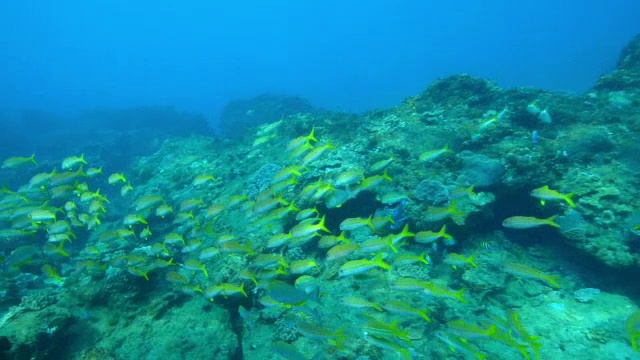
<point x="527" y="222"/>
<point x="544" y="194"/>
<point x="531" y="273"/>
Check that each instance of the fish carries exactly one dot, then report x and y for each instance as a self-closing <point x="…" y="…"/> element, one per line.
<point x="193" y="264"/>
<point x="41" y="179"/>
<point x="302" y="230"/>
<point x="392" y="198"/>
<point x="287" y="294"/>
<point x="524" y="271"/>
<point x="460" y="260"/>
<point x="126" y="189"/>
<point x="546" y="194"/>
<point x="302" y="266"/>
<point x="133" y="219"/>
<point x="263" y="139"/>
<point x="93" y="172"/>
<point x="410" y="258"/>
<point x="316" y="153"/>
<point x="359" y="303"/>
<point x="73" y="161"/>
<point x="434" y="289"/>
<point x="225" y="290"/>
<point x="203" y="179"/>
<point x="356" y="267"/>
<point x="287" y="173"/>
<point x="400" y="307"/>
<point x="528" y="222"/>
<point x="341" y="251"/>
<point x="162" y="210"/>
<point x="373" y="180"/>
<point x="116" y="178"/>
<point x="351" y="224"/>
<point x="380" y="165"/>
<point x="301" y="140"/>
<point x="173" y="238"/>
<point x="461" y="345"/>
<point x="269" y="128"/>
<point x="18" y="161"/>
<point x="427" y="237"/>
<point x="434" y="154"/>
<point x="348" y="178"/>
<point x="435" y="213"/>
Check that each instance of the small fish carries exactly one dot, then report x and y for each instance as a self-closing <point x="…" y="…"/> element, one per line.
<point x="348" y="178"/>
<point x="460" y="260"/>
<point x="546" y="194"/>
<point x="351" y="224"/>
<point x="316" y="153"/>
<point x="18" y="161"/>
<point x="359" y="303"/>
<point x="380" y="165"/>
<point x="145" y="233"/>
<point x="341" y="251"/>
<point x="302" y="230"/>
<point x="73" y="161"/>
<point x="302" y="266"/>
<point x="371" y="181"/>
<point x="193" y="264"/>
<point x="116" y="178"/>
<point x="460" y="345"/>
<point x="162" y="210"/>
<point x="399" y="307"/>
<point x="92" y="172"/>
<point x="356" y="267"/>
<point x="408" y="259"/>
<point x="125" y="190"/>
<point x="392" y="198"/>
<point x="531" y="273"/>
<point x="263" y="139"/>
<point x="427" y="237"/>
<point x="268" y="128"/>
<point x="434" y="154"/>
<point x="42" y="216"/>
<point x="544" y="116"/>
<point x="527" y="222"/>
<point x="301" y="140"/>
<point x="435" y="213"/>
<point x="173" y="239"/>
<point x="133" y="219"/>
<point x="203" y="179"/>
<point x="133" y="270"/>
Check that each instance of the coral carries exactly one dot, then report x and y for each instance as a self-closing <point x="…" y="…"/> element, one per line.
<point x="260" y="180"/>
<point x="432" y="192"/>
<point x="479" y="170"/>
<point x="586" y="295"/>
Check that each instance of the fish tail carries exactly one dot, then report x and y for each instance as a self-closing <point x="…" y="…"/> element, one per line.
<point x="553" y="280"/>
<point x="459" y="295"/>
<point x="32" y="159"/>
<point x="380" y="263"/>
<point x="386" y="176"/>
<point x="311" y="136"/>
<point x="322" y="227"/>
<point x="471" y="260"/>
<point x="568" y="199"/>
<point x="550" y="221"/>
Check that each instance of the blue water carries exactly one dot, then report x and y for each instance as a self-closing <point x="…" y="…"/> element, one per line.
<point x="73" y="55"/>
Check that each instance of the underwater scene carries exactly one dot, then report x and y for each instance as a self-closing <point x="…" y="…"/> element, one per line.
<point x="468" y="221"/>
